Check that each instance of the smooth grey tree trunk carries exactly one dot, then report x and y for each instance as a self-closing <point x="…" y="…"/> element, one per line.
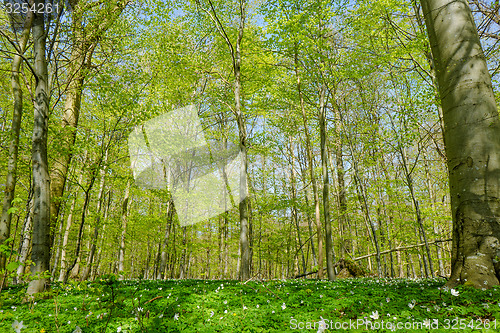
<point x="472" y="137"/>
<point x="40" y="254"/>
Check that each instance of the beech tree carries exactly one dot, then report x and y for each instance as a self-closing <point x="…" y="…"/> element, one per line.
<point x="41" y="187"/>
<point x="472" y="140"/>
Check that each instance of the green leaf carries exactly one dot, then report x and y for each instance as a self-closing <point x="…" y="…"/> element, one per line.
<point x="12" y="266"/>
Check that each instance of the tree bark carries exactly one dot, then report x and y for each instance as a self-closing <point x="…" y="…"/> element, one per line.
<point x="472" y="137"/>
<point x="41" y="183"/>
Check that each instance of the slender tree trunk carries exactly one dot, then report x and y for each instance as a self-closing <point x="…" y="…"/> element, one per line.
<point x="67" y="136"/>
<point x="24" y="244"/>
<point x="244" y="199"/>
<point x="409" y="183"/>
<point x="294" y="207"/>
<point x="17" y="114"/>
<point x="345" y="234"/>
<point x="84" y="42"/>
<point x="40" y="254"/>
<point x="57" y="248"/>
<point x="121" y="255"/>
<point x="432" y="196"/>
<point x="364" y="205"/>
<point x="163" y="263"/>
<point x="472" y="138"/>
<point x="97" y="226"/>
<point x="69" y="222"/>
<point x="326" y="187"/>
<point x="183" y="263"/>
<point x="311" y="170"/>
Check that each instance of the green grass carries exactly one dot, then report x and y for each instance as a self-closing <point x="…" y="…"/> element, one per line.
<point x="231" y="306"/>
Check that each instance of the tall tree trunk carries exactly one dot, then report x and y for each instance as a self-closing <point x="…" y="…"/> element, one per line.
<point x="345" y="234"/>
<point x="244" y="199"/>
<point x="84" y="42"/>
<point x="311" y="170"/>
<point x="472" y="137"/>
<point x="67" y="136"/>
<point x="326" y="186"/>
<point x="17" y="114"/>
<point x="121" y="254"/>
<point x="40" y="254"/>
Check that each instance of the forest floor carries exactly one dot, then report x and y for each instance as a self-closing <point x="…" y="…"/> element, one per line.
<point x="349" y="305"/>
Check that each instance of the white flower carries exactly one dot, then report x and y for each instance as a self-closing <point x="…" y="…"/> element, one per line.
<point x="454" y="292"/>
<point x="322" y="325"/>
<point x="387" y="299"/>
<point x="411" y="305"/>
<point x="320" y="296"/>
<point x="427" y="322"/>
<point x="176" y="316"/>
<point x="374" y="315"/>
<point x="225" y="302"/>
<point x="77" y="330"/>
<point x="244" y="307"/>
<point x="225" y="311"/>
<point x="257" y="306"/>
<point x="139" y="309"/>
<point x="119" y="329"/>
<point x="283" y="306"/>
<point x="17" y="326"/>
<point x="211" y="313"/>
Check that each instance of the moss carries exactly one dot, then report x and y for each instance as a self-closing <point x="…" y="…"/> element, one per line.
<point x="354" y="269"/>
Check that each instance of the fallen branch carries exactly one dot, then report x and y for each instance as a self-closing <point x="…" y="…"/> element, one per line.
<point x="374" y="254"/>
<point x="153" y="299"/>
